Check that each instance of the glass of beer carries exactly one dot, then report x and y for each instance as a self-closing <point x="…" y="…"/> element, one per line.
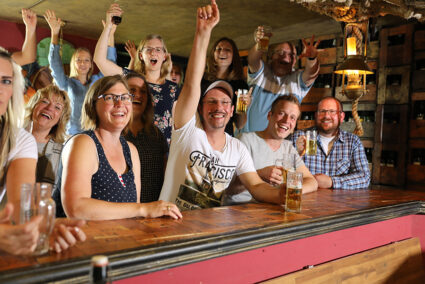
<point x="294" y="188"/>
<point x="311" y="142"/>
<point x="242" y="101"/>
<point x="263" y="33"/>
<point x="287" y="164"/>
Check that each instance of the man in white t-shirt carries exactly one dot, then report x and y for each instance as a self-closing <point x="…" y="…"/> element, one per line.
<point x="203" y="158"/>
<point x="268" y="145"/>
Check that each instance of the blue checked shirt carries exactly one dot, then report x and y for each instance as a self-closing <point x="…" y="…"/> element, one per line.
<point x="346" y="163"/>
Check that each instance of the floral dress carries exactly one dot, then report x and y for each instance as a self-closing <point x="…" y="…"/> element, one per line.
<point x="163" y="97"/>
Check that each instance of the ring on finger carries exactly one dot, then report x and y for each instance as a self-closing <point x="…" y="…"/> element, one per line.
<point x="168" y="208"/>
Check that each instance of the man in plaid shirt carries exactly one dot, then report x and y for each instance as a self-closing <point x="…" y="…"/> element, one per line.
<point x="340" y="162"/>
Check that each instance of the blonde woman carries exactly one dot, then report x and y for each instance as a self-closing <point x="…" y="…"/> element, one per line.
<point x="153" y="62"/>
<point x="18" y="158"/>
<point x="81" y="69"/>
<point x="47" y="114"/>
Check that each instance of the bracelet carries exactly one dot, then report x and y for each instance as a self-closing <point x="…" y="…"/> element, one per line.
<point x="312" y="58"/>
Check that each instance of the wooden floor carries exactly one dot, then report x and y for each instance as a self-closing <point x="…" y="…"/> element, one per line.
<point x="123" y="236"/>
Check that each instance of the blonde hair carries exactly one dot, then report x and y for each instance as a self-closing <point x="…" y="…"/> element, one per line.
<point x="12" y="119"/>
<point x="89" y="117"/>
<point x="58" y="132"/>
<point x="139" y="64"/>
<point x="72" y="64"/>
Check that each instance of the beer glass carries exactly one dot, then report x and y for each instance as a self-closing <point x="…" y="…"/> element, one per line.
<point x="294" y="188"/>
<point x="311" y="142"/>
<point x="264" y="39"/>
<point x="287" y="163"/>
<point x="36" y="200"/>
<point x="242" y="101"/>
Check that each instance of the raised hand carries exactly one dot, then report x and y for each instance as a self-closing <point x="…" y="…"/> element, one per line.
<point x="207" y="17"/>
<point x="29" y="18"/>
<point x="114" y="10"/>
<point x="131" y="49"/>
<point x="310" y="49"/>
<point x="55" y="24"/>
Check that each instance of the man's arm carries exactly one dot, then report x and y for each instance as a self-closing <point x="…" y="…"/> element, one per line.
<point x="29" y="48"/>
<point x="312" y="65"/>
<point x="261" y="190"/>
<point x="207" y="18"/>
<point x="255" y="54"/>
<point x="309" y="182"/>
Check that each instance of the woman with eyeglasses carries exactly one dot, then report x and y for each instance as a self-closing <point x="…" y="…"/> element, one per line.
<point x="224" y="63"/>
<point x="153" y="61"/>
<point x="81" y="69"/>
<point x="101" y="170"/>
<point x="18" y="158"/>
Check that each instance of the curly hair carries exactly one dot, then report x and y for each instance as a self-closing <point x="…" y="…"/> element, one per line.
<point x="235" y="68"/>
<point x="139" y="64"/>
<point x="58" y="132"/>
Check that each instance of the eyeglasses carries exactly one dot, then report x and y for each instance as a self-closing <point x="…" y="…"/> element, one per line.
<point x="111" y="98"/>
<point x="156" y="49"/>
<point x="216" y="102"/>
<point x="330" y="111"/>
<point x="283" y="53"/>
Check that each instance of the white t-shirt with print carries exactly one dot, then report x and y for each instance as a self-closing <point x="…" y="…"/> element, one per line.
<point x="196" y="174"/>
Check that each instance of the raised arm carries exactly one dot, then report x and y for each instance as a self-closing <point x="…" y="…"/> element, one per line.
<point x="255" y="53"/>
<point x="28" y="53"/>
<point x="107" y="67"/>
<point x="207" y="17"/>
<point x="312" y="63"/>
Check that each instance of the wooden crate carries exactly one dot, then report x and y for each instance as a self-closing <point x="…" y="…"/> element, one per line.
<point x="396" y="46"/>
<point x="416" y="173"/>
<point x="370" y="96"/>
<point x="418" y="74"/>
<point x="393" y="85"/>
<point x="326" y="56"/>
<point x="321" y="88"/>
<point x="419" y="40"/>
<point x="302" y="123"/>
<point x="417" y="127"/>
<point x="368" y="126"/>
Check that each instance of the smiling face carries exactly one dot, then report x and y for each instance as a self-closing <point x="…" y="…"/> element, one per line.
<point x="216" y="109"/>
<point x="175" y="74"/>
<point x="283" y="119"/>
<point x="6" y="84"/>
<point x="138" y="88"/>
<point x="83" y="62"/>
<point x="153" y="54"/>
<point x="47" y="112"/>
<point x="283" y="59"/>
<point x="223" y="54"/>
<point x="327" y="123"/>
<point x="114" y="116"/>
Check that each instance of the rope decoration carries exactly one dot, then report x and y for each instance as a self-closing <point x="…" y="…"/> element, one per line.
<point x="359" y="128"/>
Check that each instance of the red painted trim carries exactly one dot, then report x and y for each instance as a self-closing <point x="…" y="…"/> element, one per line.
<point x="273" y="261"/>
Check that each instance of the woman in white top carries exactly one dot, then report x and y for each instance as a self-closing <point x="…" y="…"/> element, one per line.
<point x="18" y="158"/>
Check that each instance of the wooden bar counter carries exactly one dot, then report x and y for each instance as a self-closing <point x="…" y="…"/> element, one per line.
<point x="236" y="244"/>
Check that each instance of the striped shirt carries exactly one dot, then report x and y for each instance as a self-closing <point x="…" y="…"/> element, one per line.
<point x="346" y="162"/>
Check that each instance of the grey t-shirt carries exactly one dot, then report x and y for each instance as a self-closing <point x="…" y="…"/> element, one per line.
<point x="263" y="156"/>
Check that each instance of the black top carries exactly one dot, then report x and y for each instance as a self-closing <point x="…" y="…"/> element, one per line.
<point x="106" y="184"/>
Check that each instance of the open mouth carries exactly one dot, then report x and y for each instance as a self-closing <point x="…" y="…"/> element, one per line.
<point x="154" y="61"/>
<point x="48" y="116"/>
<point x="118" y="114"/>
<point x="284" y="127"/>
<point x="137" y="102"/>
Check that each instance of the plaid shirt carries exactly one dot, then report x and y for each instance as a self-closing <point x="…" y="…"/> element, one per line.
<point x="346" y="163"/>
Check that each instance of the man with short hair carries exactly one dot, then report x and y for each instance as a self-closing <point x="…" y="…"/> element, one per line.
<point x="203" y="158"/>
<point x="268" y="145"/>
<point x="340" y="162"/>
<point x="277" y="78"/>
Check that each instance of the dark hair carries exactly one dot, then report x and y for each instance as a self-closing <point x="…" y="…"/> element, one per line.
<point x="148" y="113"/>
<point x="235" y="68"/>
<point x="287" y="98"/>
